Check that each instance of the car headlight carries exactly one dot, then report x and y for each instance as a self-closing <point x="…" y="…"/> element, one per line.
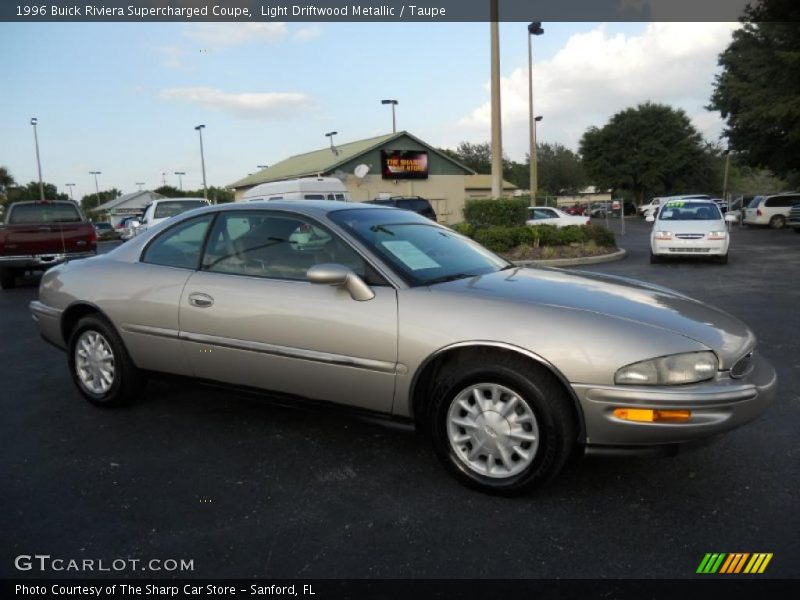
<point x="717" y="235"/>
<point x="675" y="369"/>
<point x="663" y="235"/>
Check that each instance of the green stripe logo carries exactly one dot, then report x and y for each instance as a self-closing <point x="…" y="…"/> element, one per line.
<point x="734" y="563"/>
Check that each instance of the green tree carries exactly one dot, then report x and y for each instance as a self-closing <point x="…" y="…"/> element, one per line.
<point x="559" y="171"/>
<point x="477" y="157"/>
<point x="648" y="150"/>
<point x="171" y="192"/>
<point x="90" y="202"/>
<point x="758" y="88"/>
<point x="6" y="181"/>
<point x="30" y="191"/>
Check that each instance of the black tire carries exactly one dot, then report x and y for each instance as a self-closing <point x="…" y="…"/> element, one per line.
<point x="538" y="389"/>
<point x="777" y="222"/>
<point x="796" y="229"/>
<point x="723" y="259"/>
<point x="128" y="381"/>
<point x="655" y="259"/>
<point x="8" y="279"/>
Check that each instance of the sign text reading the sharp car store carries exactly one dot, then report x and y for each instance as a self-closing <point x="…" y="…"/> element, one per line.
<point x="404" y="164"/>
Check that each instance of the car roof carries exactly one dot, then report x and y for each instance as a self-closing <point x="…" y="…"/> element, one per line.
<point x="315" y="208"/>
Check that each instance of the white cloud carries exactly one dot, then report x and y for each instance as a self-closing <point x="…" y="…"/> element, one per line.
<point x="232" y="34"/>
<point x="173" y="57"/>
<point x="307" y="33"/>
<point x="596" y="75"/>
<point x="249" y="105"/>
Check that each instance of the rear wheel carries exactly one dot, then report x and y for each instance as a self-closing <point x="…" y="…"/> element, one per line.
<point x="100" y="366"/>
<point x="501" y="425"/>
<point x="8" y="278"/>
<point x="777" y="222"/>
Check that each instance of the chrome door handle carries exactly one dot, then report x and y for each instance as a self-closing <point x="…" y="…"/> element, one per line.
<point x="200" y="300"/>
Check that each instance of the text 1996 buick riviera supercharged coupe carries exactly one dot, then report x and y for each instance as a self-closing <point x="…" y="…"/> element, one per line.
<point x="509" y="369"/>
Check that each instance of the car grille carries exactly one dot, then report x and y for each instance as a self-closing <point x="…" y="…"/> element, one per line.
<point x="743" y="366"/>
<point x="690" y="250"/>
<point x="690" y="236"/>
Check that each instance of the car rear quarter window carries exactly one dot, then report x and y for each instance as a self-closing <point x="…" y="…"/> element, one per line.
<point x="782" y="201"/>
<point x="23" y="214"/>
<point x="179" y="246"/>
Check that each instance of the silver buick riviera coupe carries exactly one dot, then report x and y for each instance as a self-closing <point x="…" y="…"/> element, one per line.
<point x="508" y="369"/>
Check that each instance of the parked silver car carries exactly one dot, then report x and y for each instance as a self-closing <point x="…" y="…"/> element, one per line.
<point x="509" y="369"/>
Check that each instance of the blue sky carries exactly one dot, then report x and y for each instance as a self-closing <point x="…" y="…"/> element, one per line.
<point x="123" y="98"/>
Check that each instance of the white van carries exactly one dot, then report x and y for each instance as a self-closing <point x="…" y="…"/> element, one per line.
<point x="304" y="188"/>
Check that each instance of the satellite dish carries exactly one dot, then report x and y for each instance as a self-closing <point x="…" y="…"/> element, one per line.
<point x="361" y="171"/>
<point x="340" y="175"/>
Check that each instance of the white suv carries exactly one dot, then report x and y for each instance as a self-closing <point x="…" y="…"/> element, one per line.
<point x="771" y="210"/>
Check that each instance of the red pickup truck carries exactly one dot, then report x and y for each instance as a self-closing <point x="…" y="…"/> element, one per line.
<point x="37" y="235"/>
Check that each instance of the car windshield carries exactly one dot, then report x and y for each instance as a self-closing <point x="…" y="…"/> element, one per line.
<point x="164" y="210"/>
<point x="755" y="202"/>
<point x="686" y="210"/>
<point x="422" y="252"/>
<point x="23" y="214"/>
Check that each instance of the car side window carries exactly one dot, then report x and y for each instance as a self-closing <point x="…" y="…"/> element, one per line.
<point x="274" y="245"/>
<point x="543" y="213"/>
<point x="179" y="246"/>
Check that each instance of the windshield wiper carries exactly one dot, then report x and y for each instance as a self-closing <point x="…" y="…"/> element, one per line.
<point x="446" y="278"/>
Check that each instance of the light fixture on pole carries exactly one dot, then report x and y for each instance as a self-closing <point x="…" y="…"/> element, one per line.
<point x="330" y="135"/>
<point x="534" y="28"/>
<point x="164" y="178"/>
<point x="34" y="121"/>
<point x="96" y="186"/>
<point x="199" y="130"/>
<point x="140" y="184"/>
<point x="180" y="175"/>
<point x="263" y="166"/>
<point x="394" y="122"/>
<point x="497" y="124"/>
<point x="70" y="186"/>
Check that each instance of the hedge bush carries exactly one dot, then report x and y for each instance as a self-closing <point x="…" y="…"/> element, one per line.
<point x="503" y="239"/>
<point x="505" y="212"/>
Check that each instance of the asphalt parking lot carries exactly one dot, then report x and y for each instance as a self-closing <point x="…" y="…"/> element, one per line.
<point x="247" y="488"/>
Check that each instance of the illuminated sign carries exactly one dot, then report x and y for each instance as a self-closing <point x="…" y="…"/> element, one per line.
<point x="404" y="164"/>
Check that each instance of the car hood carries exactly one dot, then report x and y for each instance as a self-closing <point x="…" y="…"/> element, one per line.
<point x="690" y="226"/>
<point x="617" y="297"/>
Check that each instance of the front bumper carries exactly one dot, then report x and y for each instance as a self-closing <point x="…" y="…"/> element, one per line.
<point x="681" y="247"/>
<point x="717" y="406"/>
<point x="41" y="261"/>
<point x="49" y="321"/>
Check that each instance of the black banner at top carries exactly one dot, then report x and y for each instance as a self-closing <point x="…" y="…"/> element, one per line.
<point x="371" y="10"/>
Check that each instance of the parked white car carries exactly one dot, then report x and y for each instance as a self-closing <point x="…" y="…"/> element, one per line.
<point x="303" y="188"/>
<point x="545" y="215"/>
<point x="692" y="227"/>
<point x="771" y="210"/>
<point x="650" y="209"/>
<point x="166" y="208"/>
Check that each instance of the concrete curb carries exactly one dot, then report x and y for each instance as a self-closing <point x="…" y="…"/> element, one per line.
<point x="573" y="262"/>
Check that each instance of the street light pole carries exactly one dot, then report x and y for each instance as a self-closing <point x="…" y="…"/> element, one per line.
<point x="199" y="129"/>
<point x="394" y="122"/>
<point x="34" y="120"/>
<point x="96" y="186"/>
<point x="725" y="178"/>
<point x="330" y="135"/>
<point x="164" y="178"/>
<point x="534" y="28"/>
<point x="497" y="134"/>
<point x="70" y="186"/>
<point x="180" y="175"/>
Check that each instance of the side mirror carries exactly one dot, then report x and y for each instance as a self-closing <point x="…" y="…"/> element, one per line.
<point x="650" y="218"/>
<point x="341" y="276"/>
<point x="730" y="218"/>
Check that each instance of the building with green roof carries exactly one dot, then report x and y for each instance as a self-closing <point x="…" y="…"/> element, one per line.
<point x="395" y="169"/>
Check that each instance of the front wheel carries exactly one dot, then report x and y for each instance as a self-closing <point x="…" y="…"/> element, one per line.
<point x="501" y="425"/>
<point x="655" y="259"/>
<point x="722" y="259"/>
<point x="100" y="366"/>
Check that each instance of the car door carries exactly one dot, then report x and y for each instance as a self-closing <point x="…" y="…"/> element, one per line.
<point x="250" y="317"/>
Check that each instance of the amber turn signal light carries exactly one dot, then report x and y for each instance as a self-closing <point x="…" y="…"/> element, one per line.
<point x="647" y="415"/>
